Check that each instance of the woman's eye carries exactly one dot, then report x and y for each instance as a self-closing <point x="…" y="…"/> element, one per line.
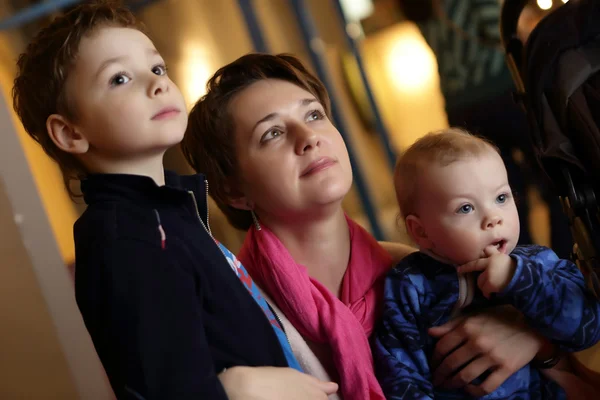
<point x="159" y="70"/>
<point x="315" y="115"/>
<point x="465" y="209"/>
<point x="273" y="133"/>
<point x="119" y="79"/>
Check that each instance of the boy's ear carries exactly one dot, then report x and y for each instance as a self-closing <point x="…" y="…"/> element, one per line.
<point x="65" y="135"/>
<point x="417" y="232"/>
<point x="235" y="198"/>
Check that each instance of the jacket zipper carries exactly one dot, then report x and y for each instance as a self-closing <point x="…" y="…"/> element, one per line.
<point x="207" y="209"/>
<point x="280" y="324"/>
<point x="207" y="229"/>
<point x="207" y="225"/>
<point x="198" y="214"/>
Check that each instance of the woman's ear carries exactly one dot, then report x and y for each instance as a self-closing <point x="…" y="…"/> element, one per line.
<point x="417" y="232"/>
<point x="65" y="135"/>
<point x="235" y="198"/>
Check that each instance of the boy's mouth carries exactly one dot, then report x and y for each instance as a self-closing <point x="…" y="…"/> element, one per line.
<point x="165" y="113"/>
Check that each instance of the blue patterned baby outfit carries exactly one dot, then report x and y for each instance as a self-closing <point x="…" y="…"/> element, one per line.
<point x="421" y="292"/>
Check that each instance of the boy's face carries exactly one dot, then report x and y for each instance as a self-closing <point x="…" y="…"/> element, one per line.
<point x="124" y="103"/>
<point x="465" y="207"/>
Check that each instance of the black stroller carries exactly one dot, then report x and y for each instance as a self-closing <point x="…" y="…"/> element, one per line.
<point x="557" y="74"/>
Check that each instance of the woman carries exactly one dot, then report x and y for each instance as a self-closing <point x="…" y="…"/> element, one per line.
<point x="279" y="169"/>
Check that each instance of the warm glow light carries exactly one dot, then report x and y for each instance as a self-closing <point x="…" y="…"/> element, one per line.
<point x="565" y="1"/>
<point x="411" y="66"/>
<point x="355" y="10"/>
<point x="195" y="73"/>
<point x="545" y="4"/>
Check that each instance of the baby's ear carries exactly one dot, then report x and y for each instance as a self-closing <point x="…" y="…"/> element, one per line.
<point x="417" y="232"/>
<point x="65" y="135"/>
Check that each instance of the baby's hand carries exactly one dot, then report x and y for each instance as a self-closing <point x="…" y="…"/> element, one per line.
<point x="498" y="270"/>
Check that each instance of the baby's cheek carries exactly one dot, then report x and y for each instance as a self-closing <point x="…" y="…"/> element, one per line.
<point x="466" y="242"/>
<point x="456" y="226"/>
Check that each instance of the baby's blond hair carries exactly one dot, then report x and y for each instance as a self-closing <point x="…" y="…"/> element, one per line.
<point x="442" y="148"/>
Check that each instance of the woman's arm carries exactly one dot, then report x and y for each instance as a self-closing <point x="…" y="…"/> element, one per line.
<point x="578" y="381"/>
<point x="397" y="250"/>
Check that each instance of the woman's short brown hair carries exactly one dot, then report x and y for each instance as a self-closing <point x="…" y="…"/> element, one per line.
<point x="39" y="87"/>
<point x="209" y="142"/>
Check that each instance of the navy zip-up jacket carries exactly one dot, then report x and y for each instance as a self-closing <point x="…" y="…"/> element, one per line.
<point x="164" y="309"/>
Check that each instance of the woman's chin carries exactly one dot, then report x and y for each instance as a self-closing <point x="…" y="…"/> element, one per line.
<point x="330" y="194"/>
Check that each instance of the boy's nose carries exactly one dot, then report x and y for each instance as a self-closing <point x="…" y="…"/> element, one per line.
<point x="158" y="86"/>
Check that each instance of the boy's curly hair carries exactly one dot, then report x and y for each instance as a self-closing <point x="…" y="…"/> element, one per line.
<point x="43" y="69"/>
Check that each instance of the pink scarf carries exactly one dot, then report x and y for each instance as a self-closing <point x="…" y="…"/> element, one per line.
<point x="344" y="324"/>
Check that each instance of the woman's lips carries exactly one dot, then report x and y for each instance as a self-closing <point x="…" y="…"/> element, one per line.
<point x="317" y="166"/>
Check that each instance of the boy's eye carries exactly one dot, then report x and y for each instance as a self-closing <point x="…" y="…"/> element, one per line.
<point x="465" y="209"/>
<point x="119" y="79"/>
<point x="159" y="70"/>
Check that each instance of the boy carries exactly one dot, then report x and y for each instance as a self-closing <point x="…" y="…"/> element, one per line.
<point x="454" y="196"/>
<point x="165" y="310"/>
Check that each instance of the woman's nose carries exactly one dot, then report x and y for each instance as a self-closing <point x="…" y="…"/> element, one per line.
<point x="306" y="139"/>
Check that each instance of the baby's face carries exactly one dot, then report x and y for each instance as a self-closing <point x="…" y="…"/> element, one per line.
<point x="467" y="206"/>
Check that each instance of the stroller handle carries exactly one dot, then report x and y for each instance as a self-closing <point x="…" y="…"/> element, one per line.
<point x="513" y="47"/>
<point x="509" y="19"/>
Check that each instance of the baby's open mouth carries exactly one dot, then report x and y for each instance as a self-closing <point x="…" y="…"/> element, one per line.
<point x="500" y="245"/>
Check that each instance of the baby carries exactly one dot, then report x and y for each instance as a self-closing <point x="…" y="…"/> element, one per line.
<point x="454" y="196"/>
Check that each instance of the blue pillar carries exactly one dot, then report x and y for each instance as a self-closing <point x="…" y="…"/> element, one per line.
<point x="316" y="48"/>
<point x="41" y="10"/>
<point x="34" y="12"/>
<point x="379" y="126"/>
<point x="136" y="6"/>
<point x="253" y="25"/>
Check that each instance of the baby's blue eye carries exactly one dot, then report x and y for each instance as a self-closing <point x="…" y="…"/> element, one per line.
<point x="465" y="209"/>
<point x="501" y="199"/>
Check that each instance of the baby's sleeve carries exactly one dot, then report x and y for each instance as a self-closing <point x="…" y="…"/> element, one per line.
<point x="399" y="343"/>
<point x="554" y="298"/>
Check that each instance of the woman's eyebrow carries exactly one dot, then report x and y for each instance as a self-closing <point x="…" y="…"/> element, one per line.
<point x="268" y="117"/>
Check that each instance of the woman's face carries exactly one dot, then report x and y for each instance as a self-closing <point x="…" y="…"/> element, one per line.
<point x="292" y="161"/>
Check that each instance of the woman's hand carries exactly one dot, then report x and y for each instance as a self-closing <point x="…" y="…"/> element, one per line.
<point x="270" y="383"/>
<point x="495" y="340"/>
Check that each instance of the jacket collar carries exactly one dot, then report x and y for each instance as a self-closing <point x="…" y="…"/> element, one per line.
<point x="142" y="190"/>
